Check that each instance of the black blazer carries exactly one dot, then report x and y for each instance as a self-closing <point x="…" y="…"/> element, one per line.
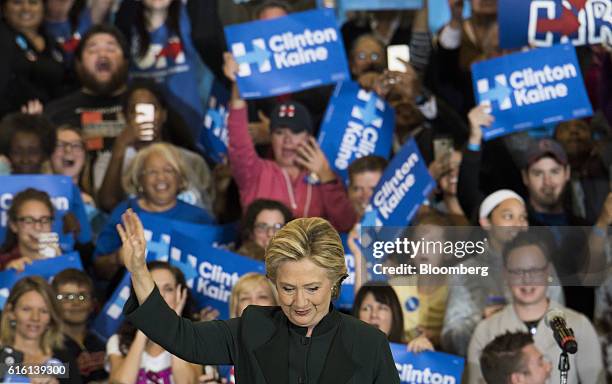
<point x="257" y="344"/>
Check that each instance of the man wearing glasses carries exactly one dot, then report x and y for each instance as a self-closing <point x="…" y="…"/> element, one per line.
<point x="528" y="272"/>
<point x="74" y="290"/>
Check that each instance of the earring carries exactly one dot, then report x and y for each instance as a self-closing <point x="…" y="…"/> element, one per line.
<point x="12" y="323"/>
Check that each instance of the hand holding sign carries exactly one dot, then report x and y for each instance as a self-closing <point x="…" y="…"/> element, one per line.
<point x="230" y="66"/>
<point x="313" y="159"/>
<point x="479" y="117"/>
<point x="19" y="264"/>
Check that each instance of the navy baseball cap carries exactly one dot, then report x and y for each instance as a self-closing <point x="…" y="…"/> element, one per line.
<point x="292" y="115"/>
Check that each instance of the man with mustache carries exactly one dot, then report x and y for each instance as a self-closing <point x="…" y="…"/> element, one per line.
<point x="579" y="253"/>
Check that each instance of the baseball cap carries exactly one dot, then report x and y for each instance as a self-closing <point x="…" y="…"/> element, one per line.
<point x="544" y="147"/>
<point x="292" y="115"/>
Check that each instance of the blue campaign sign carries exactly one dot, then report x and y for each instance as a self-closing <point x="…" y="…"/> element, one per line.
<point x="529" y="89"/>
<point x="61" y="191"/>
<point x="158" y="233"/>
<point x="46" y="268"/>
<point x="211" y="272"/>
<point x="403" y="187"/>
<point x="288" y="54"/>
<point x="426" y="367"/>
<point x="357" y="123"/>
<point x="110" y="317"/>
<point x="347" y="291"/>
<point x="543" y="23"/>
<point x="214" y="136"/>
<point x="357" y="5"/>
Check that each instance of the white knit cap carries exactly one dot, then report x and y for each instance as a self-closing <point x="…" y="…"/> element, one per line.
<point x="495" y="199"/>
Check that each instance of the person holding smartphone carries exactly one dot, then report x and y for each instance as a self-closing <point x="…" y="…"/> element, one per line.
<point x="29" y="236"/>
<point x="299" y="176"/>
<point x="149" y="119"/>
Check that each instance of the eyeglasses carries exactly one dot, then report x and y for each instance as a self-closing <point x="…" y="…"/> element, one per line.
<point x="534" y="273"/>
<point x="364" y="55"/>
<point x="29" y="220"/>
<point x="265" y="228"/>
<point x="72" y="296"/>
<point x="152" y="173"/>
<point x="74" y="147"/>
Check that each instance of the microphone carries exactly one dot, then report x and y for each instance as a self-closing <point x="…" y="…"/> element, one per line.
<point x="555" y="320"/>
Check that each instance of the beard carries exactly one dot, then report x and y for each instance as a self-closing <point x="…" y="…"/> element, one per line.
<point x="117" y="81"/>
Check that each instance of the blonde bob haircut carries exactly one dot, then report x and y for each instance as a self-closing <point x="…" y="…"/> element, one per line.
<point x="313" y="238"/>
<point x="53" y="337"/>
<point x="245" y="283"/>
<point x="133" y="174"/>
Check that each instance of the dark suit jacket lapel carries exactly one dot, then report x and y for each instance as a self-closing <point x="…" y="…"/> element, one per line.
<point x="273" y="356"/>
<point x="339" y="367"/>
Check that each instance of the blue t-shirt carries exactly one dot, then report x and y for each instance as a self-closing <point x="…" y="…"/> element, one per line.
<point x="174" y="63"/>
<point x="109" y="240"/>
<point x="62" y="33"/>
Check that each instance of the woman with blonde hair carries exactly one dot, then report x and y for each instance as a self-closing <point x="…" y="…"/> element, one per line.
<point x="251" y="289"/>
<point x="305" y="339"/>
<point x="154" y="179"/>
<point x="31" y="330"/>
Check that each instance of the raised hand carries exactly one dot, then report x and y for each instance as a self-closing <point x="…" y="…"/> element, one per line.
<point x="479" y="117"/>
<point x="132" y="251"/>
<point x="230" y="66"/>
<point x="180" y="300"/>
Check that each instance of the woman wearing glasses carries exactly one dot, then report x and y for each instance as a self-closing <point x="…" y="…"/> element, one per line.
<point x="31" y="333"/>
<point x="262" y="220"/>
<point x="29" y="217"/>
<point x="153" y="180"/>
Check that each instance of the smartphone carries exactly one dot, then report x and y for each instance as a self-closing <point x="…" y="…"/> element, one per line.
<point x="48" y="244"/>
<point x="443" y="146"/>
<point x="145" y="117"/>
<point x="394" y="54"/>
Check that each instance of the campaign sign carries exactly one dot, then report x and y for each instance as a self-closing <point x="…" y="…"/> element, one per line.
<point x="158" y="233"/>
<point x="358" y="5"/>
<point x="288" y="54"/>
<point x="401" y="190"/>
<point x="59" y="188"/>
<point x="529" y="89"/>
<point x="46" y="268"/>
<point x="427" y="366"/>
<point x="347" y="291"/>
<point x="214" y="136"/>
<point x="110" y="317"/>
<point x="211" y="273"/>
<point x="357" y="123"/>
<point x="543" y="23"/>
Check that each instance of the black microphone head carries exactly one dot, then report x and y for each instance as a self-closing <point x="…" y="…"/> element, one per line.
<point x="570" y="346"/>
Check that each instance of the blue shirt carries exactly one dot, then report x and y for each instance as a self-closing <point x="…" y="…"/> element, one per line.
<point x="174" y="63"/>
<point x="109" y="240"/>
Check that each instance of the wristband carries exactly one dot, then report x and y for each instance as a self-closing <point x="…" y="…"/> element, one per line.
<point x="473" y="147"/>
<point x="599" y="232"/>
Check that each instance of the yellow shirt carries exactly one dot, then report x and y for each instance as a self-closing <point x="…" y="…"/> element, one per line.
<point x="422" y="310"/>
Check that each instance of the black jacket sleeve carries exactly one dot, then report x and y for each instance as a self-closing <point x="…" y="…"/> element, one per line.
<point x="204" y="342"/>
<point x="468" y="185"/>
<point x="207" y="33"/>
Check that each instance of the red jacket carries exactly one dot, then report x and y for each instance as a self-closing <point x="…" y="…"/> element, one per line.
<point x="258" y="178"/>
